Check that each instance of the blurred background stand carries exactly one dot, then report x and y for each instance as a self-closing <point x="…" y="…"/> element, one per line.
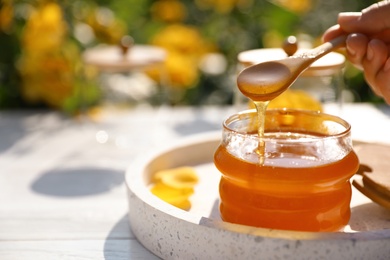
<point x="123" y="68"/>
<point x="123" y="72"/>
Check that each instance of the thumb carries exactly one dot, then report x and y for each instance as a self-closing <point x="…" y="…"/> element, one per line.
<point x="371" y="20"/>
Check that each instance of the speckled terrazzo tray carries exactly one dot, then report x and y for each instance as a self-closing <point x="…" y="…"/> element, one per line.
<point x="172" y="233"/>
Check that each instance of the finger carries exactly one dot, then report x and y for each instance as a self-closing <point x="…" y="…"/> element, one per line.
<point x="332" y="32"/>
<point x="373" y="63"/>
<point x="383" y="35"/>
<point x="371" y="20"/>
<point x="356" y="45"/>
<point x="383" y="81"/>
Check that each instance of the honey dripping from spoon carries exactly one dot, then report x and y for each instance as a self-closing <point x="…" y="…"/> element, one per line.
<point x="265" y="81"/>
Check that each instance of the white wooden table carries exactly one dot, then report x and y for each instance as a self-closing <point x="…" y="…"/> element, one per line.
<point x="62" y="191"/>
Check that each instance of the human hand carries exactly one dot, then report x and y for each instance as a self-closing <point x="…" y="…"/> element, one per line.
<point x="368" y="44"/>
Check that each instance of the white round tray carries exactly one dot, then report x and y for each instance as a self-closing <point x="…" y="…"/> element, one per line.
<point x="172" y="233"/>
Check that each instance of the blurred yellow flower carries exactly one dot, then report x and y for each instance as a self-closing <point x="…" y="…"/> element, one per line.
<point x="182" y="38"/>
<point x="185" y="46"/>
<point x="294" y="99"/>
<point x="6" y="15"/>
<point x="45" y="29"/>
<point x="169" y="11"/>
<point x="296" y="6"/>
<point x="223" y="6"/>
<point x="182" y="70"/>
<point x="46" y="64"/>
<point x="50" y="81"/>
<point x="105" y="26"/>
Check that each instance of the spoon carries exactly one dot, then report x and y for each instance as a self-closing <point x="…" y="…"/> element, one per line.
<point x="267" y="80"/>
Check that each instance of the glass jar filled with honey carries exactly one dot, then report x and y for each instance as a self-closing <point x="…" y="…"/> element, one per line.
<point x="303" y="181"/>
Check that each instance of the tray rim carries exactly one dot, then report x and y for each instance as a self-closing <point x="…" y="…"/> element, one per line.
<point x="137" y="191"/>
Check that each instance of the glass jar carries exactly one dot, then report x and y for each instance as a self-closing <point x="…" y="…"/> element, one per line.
<point x="303" y="183"/>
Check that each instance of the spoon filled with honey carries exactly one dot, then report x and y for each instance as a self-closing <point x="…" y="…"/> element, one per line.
<point x="265" y="81"/>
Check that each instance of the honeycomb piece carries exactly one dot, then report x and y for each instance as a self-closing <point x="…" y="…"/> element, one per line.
<point x="175" y="186"/>
<point x="182" y="177"/>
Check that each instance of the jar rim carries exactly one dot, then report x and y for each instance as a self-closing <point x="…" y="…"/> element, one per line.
<point x="245" y="114"/>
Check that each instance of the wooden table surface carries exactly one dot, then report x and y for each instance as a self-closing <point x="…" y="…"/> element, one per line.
<point x="62" y="190"/>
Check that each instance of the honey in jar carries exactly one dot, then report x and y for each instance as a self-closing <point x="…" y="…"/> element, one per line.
<point x="302" y="182"/>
